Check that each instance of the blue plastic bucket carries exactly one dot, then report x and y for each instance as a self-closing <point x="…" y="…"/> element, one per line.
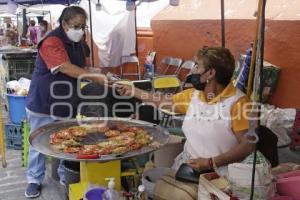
<point x="16" y="105"/>
<point x="95" y="194"/>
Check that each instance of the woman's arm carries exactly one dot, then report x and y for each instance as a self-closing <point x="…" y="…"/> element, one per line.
<point x="158" y="99"/>
<point x="76" y="72"/>
<point x="56" y="58"/>
<point x="236" y="154"/>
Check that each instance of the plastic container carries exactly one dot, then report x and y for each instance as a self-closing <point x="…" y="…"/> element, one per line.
<point x="95" y="194"/>
<point x="111" y="193"/>
<point x="20" y="68"/>
<point x="289" y="174"/>
<point x="150" y="177"/>
<point x="148" y="71"/>
<point x="16" y="106"/>
<point x="72" y="173"/>
<point x="283" y="198"/>
<point x="164" y="157"/>
<point x="13" y="136"/>
<point x="289" y="186"/>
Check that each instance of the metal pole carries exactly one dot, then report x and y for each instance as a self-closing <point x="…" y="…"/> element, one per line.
<point x="19" y="39"/>
<point x="261" y="61"/>
<point x="254" y="49"/>
<point x="91" y="33"/>
<point x="135" y="26"/>
<point x="222" y="23"/>
<point x="24" y="33"/>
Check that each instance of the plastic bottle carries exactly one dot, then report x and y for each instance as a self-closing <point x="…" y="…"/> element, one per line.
<point x="141" y="194"/>
<point x="111" y="193"/>
<point x="148" y="71"/>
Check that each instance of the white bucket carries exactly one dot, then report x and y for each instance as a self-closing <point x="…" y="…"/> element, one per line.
<point x="151" y="176"/>
<point x="164" y="157"/>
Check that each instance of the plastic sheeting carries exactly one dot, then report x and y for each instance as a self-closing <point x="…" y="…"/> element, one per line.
<point x="113" y="31"/>
<point x="280" y="121"/>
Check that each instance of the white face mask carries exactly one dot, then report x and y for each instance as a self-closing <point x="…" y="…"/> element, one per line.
<point x="75" y="35"/>
<point x="42" y="28"/>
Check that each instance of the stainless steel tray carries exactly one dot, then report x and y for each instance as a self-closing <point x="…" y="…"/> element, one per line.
<point x="40" y="138"/>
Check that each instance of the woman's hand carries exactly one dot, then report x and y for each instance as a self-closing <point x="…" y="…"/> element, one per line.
<point x="124" y="89"/>
<point x="199" y="163"/>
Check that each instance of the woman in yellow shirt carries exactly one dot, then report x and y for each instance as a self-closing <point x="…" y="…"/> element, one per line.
<point x="215" y="121"/>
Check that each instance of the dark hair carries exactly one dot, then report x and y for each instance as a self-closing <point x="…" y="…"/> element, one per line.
<point x="70" y="12"/>
<point x="44" y="23"/>
<point x="32" y="22"/>
<point x="220" y="59"/>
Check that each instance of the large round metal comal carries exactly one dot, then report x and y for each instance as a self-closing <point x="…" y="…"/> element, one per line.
<point x="40" y="138"/>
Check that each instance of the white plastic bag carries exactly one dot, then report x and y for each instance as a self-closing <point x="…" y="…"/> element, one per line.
<point x="13" y="86"/>
<point x="279" y="121"/>
<point x="24" y="86"/>
<point x="20" y="87"/>
<point x="240" y="176"/>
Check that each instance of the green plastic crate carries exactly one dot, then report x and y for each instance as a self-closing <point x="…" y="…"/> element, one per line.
<point x="25" y="143"/>
<point x="18" y="68"/>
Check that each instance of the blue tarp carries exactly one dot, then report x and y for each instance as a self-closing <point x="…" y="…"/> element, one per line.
<point x="33" y="2"/>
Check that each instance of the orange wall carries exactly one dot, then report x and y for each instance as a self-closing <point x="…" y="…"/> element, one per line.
<point x="183" y="38"/>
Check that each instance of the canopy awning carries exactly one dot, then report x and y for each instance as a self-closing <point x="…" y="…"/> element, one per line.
<point x="8" y="15"/>
<point x="33" y="2"/>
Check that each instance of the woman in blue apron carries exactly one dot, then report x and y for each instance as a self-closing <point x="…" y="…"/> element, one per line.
<point x="53" y="90"/>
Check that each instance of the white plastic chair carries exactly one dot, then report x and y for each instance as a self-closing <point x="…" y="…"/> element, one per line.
<point x="168" y="62"/>
<point x="187" y="65"/>
<point x="133" y="60"/>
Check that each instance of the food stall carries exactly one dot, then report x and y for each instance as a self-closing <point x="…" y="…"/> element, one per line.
<point x="106" y="163"/>
<point x="98" y="152"/>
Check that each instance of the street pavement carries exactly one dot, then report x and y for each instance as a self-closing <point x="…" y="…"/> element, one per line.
<point x="13" y="181"/>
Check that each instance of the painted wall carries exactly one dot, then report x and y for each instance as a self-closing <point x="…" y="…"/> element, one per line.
<point x="181" y="30"/>
<point x="183" y="38"/>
